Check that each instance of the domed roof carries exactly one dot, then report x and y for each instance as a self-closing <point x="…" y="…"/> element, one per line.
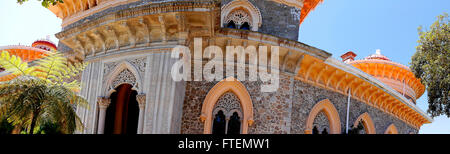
<point x="396" y="75"/>
<point x="45" y="44"/>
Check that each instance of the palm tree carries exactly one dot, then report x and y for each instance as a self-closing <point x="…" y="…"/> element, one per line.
<point x="41" y="92"/>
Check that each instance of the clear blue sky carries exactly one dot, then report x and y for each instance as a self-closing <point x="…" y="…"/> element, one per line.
<point x="336" y="26"/>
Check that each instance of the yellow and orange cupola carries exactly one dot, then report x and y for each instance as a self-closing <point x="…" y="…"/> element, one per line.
<point x="399" y="77"/>
<point x="39" y="49"/>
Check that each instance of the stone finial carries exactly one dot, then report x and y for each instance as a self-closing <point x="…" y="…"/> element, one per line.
<point x="103" y="102"/>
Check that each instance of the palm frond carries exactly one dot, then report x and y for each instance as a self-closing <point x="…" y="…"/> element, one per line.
<point x="14" y="64"/>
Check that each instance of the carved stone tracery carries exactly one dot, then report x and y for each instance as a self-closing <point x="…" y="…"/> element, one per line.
<point x="228" y="103"/>
<point x="239" y="17"/>
<point x="126" y="76"/>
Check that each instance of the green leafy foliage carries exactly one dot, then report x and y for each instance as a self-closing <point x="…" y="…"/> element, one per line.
<point x="45" y="3"/>
<point x="431" y="63"/>
<point x="42" y="92"/>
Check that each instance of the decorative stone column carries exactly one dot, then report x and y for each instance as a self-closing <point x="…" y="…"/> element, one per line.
<point x="103" y="103"/>
<point x="141" y="99"/>
<point x="227" y="119"/>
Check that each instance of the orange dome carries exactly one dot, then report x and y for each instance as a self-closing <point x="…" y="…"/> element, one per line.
<point x="26" y="53"/>
<point x="397" y="76"/>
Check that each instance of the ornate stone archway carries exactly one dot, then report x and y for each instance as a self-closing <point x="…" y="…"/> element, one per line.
<point x="227" y="85"/>
<point x="330" y="111"/>
<point x="123" y="73"/>
<point x="367" y="122"/>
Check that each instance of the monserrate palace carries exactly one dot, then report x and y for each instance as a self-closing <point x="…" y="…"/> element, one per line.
<point x="130" y="89"/>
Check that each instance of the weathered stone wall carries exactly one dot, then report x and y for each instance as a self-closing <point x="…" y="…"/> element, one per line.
<point x="277" y="19"/>
<point x="285" y="111"/>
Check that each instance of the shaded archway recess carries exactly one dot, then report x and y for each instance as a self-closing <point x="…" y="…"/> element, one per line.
<point x="391" y="130"/>
<point x="227" y="85"/>
<point x="330" y="111"/>
<point x="367" y="122"/>
<point x="122" y="114"/>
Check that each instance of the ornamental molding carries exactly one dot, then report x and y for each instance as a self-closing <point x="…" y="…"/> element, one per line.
<point x="152" y="9"/>
<point x="138" y="63"/>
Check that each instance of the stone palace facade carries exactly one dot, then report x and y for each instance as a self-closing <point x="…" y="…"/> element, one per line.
<point x="129" y="87"/>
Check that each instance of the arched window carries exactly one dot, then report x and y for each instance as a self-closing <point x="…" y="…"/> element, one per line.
<point x="325" y="132"/>
<point x="219" y="123"/>
<point x="231" y="24"/>
<point x="367" y="124"/>
<point x="232" y="98"/>
<point x="391" y="130"/>
<point x="315" y="130"/>
<point x="245" y="26"/>
<point x="241" y="12"/>
<point x="323" y="115"/>
<point x="227" y="119"/>
<point x="234" y="125"/>
<point x="321" y="123"/>
<point x="239" y="18"/>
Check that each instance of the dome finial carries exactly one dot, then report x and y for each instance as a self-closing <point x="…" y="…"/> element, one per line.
<point x="378" y="52"/>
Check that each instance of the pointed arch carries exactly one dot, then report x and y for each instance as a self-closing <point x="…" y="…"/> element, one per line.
<point x="367" y="122"/>
<point x="123" y="73"/>
<point x="227" y="85"/>
<point x="330" y="111"/>
<point x="391" y="130"/>
<point x="255" y="14"/>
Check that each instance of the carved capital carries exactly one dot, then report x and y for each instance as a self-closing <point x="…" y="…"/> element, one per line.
<point x="103" y="102"/>
<point x="141" y="99"/>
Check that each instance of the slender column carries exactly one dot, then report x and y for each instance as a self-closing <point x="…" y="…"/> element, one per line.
<point x="142" y="101"/>
<point x="226" y="125"/>
<point x="103" y="104"/>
